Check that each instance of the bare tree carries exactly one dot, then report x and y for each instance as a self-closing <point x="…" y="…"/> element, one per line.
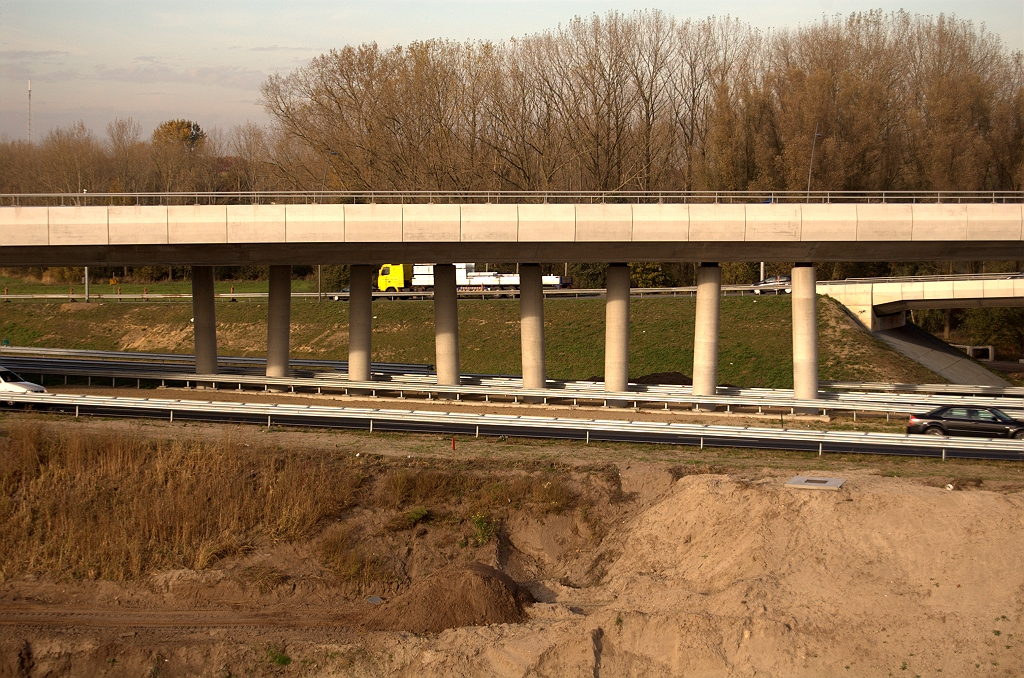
<point x="127" y="154"/>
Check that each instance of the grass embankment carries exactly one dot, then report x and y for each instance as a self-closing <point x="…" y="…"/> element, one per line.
<point x="755" y="347"/>
<point x="28" y="286"/>
<point x="111" y="505"/>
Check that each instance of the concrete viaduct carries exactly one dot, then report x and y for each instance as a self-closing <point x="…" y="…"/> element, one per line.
<point x="364" y="234"/>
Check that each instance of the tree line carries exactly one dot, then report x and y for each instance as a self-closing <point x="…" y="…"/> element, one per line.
<point x="638" y="101"/>
<point x="646" y="101"/>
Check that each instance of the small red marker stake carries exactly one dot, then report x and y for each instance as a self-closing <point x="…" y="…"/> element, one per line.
<point x="453" y="444"/>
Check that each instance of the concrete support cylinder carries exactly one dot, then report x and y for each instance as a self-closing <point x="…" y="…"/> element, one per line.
<point x="279" y="320"/>
<point x="616" y="332"/>
<point x="204" y="320"/>
<point x="805" y="332"/>
<point x="705" y="330"/>
<point x="531" y="315"/>
<point x="360" y="322"/>
<point x="446" y="325"/>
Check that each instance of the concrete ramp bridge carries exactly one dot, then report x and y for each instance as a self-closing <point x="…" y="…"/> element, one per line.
<point x="882" y="303"/>
<point x="365" y="229"/>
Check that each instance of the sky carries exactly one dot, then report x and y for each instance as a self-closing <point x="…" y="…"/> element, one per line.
<point x="100" y="59"/>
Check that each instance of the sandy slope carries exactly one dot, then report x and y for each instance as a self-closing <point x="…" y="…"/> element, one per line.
<point x="722" y="577"/>
<point x="710" y="575"/>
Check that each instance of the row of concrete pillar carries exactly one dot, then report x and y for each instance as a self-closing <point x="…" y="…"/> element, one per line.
<point x="805" y="330"/>
<point x="531" y="304"/>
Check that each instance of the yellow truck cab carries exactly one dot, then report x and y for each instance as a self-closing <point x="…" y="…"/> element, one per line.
<point x="394" y="277"/>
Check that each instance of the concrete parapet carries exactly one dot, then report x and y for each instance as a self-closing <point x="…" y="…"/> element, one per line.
<point x="78" y="225"/>
<point x="994" y="222"/>
<point x="373" y="223"/>
<point x="431" y="223"/>
<point x="661" y="222"/>
<point x="197" y="224"/>
<point x="136" y="225"/>
<point x="718" y="223"/>
<point x="772" y="222"/>
<point x="547" y="223"/>
<point x="828" y="222"/>
<point x="1002" y="288"/>
<point x="968" y="289"/>
<point x="314" y="223"/>
<point x="940" y="222"/>
<point x="365" y="233"/>
<point x="885" y="222"/>
<point x="24" y="226"/>
<point x="256" y="223"/>
<point x="604" y="223"/>
<point x="490" y="222"/>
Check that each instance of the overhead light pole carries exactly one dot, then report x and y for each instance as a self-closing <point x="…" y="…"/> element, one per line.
<point x="810" y="170"/>
<point x="319" y="267"/>
<point x="30" y="111"/>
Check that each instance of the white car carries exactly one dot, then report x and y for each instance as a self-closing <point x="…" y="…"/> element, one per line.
<point x="12" y="383"/>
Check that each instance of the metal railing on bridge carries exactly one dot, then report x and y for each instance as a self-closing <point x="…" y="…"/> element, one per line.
<point x="86" y="199"/>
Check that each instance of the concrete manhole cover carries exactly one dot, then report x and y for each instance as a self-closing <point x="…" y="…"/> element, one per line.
<point x="814" y="483"/>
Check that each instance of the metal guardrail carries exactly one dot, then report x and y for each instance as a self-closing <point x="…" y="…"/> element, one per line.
<point x="500" y="196"/>
<point x="64" y="357"/>
<point x="940" y="389"/>
<point x="189" y="359"/>
<point x="395" y="383"/>
<point x="461" y="423"/>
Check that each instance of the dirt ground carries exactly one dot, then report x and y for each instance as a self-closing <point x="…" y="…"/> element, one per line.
<point x="674" y="561"/>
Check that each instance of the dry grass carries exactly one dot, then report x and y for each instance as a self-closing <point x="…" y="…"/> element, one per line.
<point x="343" y="553"/>
<point x="472" y="491"/>
<point x="78" y="504"/>
<point x="116" y="507"/>
<point x="264" y="578"/>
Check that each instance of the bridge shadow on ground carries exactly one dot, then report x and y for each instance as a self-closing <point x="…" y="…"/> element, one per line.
<point x="938" y="356"/>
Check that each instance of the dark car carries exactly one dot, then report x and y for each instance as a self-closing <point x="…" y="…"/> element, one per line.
<point x="776" y="284"/>
<point x="958" y="420"/>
